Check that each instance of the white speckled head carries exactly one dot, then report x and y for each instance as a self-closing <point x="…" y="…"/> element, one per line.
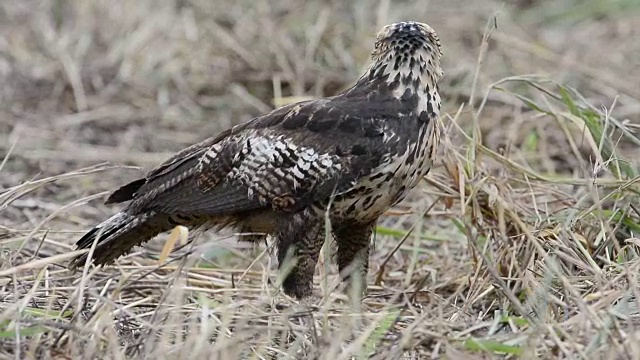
<point x="407" y="53"/>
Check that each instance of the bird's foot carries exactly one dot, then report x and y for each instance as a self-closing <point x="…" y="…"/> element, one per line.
<point x="296" y="287"/>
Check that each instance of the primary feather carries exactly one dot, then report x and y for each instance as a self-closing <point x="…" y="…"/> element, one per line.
<point x="364" y="149"/>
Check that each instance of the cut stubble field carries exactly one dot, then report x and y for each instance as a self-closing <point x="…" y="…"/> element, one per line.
<point x="522" y="242"/>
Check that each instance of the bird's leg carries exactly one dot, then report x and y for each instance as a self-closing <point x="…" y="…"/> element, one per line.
<point x="353" y="240"/>
<point x="299" y="238"/>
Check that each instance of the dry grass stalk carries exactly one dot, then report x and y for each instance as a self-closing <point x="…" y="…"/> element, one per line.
<point x="523" y="242"/>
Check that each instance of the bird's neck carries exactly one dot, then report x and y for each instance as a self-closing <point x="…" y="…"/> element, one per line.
<point x="413" y="86"/>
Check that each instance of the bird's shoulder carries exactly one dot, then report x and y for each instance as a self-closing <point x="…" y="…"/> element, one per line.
<point x="337" y="125"/>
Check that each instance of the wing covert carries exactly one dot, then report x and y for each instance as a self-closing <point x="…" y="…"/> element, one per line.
<point x="284" y="160"/>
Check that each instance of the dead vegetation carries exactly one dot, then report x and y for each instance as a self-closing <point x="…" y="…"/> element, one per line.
<point x="523" y="241"/>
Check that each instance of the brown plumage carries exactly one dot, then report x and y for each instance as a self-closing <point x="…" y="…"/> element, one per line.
<point x="351" y="156"/>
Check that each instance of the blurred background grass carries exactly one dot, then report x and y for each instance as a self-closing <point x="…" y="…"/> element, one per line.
<point x="135" y="69"/>
<point x="132" y="82"/>
<point x="550" y="108"/>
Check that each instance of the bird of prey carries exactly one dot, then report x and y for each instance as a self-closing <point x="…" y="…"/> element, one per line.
<point x="345" y="158"/>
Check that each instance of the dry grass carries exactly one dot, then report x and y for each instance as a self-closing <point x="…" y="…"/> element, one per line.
<point x="523" y="241"/>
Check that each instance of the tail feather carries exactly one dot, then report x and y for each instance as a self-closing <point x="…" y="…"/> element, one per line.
<point x="118" y="234"/>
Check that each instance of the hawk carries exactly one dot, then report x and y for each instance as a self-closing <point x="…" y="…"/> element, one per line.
<point x="346" y="158"/>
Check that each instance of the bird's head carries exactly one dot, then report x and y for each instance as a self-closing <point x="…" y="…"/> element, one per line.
<point x="406" y="56"/>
